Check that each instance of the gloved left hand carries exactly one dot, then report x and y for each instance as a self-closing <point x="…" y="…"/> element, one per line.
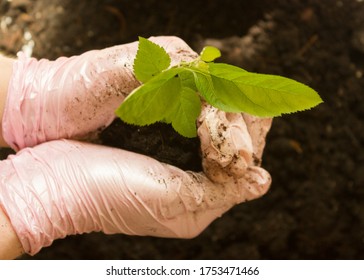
<point x="73" y="97"/>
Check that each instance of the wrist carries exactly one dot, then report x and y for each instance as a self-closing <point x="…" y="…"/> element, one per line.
<point x="10" y="245"/>
<point x="41" y="197"/>
<point x="66" y="98"/>
<point x="6" y="65"/>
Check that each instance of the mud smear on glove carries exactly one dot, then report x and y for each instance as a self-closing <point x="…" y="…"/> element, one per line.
<point x="159" y="141"/>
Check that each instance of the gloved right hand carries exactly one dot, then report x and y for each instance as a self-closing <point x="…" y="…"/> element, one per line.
<point x="65" y="187"/>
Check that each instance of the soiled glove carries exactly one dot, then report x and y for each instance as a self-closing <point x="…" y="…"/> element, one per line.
<point x="73" y="97"/>
<point x="66" y="187"/>
<point x="231" y="143"/>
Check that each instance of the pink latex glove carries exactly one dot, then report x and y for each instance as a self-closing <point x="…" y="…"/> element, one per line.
<point x="73" y="97"/>
<point x="66" y="187"/>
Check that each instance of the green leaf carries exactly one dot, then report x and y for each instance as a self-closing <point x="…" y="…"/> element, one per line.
<point x="187" y="80"/>
<point x="232" y="89"/>
<point x="209" y="54"/>
<point x="153" y="101"/>
<point x="186" y="112"/>
<point x="150" y="60"/>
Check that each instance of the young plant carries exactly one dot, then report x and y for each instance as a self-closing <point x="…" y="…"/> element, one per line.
<point x="173" y="94"/>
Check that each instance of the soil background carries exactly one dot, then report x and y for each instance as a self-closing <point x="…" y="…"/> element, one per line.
<point x="314" y="209"/>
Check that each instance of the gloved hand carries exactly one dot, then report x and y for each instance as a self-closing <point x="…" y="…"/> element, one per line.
<point x="231" y="143"/>
<point x="73" y="97"/>
<point x="66" y="187"/>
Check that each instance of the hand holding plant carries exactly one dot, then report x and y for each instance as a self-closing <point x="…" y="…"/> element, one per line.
<point x="65" y="187"/>
<point x="73" y="97"/>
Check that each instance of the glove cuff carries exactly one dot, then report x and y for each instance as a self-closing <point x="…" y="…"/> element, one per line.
<point x="26" y="112"/>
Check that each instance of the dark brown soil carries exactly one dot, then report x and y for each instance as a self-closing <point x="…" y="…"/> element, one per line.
<point x="159" y="141"/>
<point x="314" y="209"/>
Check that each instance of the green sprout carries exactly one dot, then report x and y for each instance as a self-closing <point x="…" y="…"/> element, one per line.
<point x="173" y="94"/>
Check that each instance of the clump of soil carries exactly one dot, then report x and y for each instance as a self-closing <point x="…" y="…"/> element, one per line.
<point x="159" y="141"/>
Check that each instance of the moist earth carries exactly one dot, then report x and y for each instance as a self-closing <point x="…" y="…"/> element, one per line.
<point x="314" y="209"/>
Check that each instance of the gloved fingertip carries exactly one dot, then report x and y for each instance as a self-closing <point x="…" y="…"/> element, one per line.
<point x="254" y="184"/>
